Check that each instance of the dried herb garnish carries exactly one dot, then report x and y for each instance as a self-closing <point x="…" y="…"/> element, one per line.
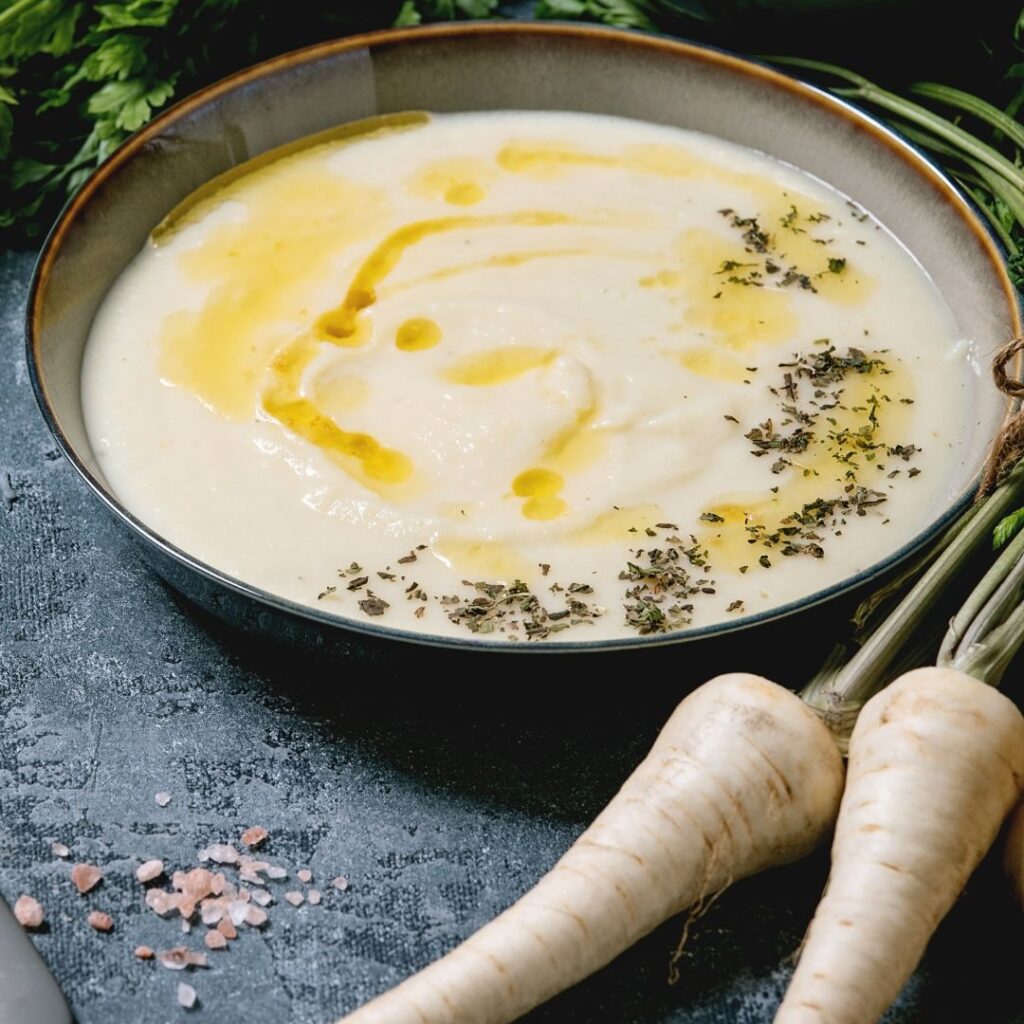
<point x="373" y="605"/>
<point x="658" y="601"/>
<point x="509" y="609"/>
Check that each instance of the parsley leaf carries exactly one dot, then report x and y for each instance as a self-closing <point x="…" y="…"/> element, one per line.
<point x="1007" y="528"/>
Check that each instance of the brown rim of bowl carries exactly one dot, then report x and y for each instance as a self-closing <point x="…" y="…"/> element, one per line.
<point x="859" y="119"/>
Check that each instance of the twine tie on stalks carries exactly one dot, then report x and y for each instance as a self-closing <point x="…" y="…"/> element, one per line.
<point x="1008" y="447"/>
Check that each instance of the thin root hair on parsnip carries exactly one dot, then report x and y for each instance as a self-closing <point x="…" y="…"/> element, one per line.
<point x="742" y="777"/>
<point x="936" y="763"/>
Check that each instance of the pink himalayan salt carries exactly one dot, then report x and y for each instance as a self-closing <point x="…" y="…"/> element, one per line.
<point x="28" y="911"/>
<point x="100" y="921"/>
<point x="86" y="877"/>
<point x="254" y="836"/>
<point x="254" y="916"/>
<point x="149" y="870"/>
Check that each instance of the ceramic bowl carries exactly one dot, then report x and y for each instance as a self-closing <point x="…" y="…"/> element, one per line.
<point x="484" y="67"/>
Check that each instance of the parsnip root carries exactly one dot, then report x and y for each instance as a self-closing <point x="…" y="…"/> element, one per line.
<point x="743" y="777"/>
<point x="936" y="763"/>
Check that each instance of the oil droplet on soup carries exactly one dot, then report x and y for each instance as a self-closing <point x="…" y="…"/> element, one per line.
<point x="417" y="334"/>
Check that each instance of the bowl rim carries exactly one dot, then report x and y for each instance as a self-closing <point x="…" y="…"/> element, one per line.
<point x="911" y="154"/>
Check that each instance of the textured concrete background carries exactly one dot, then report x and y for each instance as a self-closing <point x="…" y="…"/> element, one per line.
<point x="438" y="809"/>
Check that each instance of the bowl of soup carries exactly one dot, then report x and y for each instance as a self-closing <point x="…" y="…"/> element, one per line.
<point x="521" y="337"/>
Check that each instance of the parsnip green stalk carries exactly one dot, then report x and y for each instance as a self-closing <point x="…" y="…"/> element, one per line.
<point x="743" y="777"/>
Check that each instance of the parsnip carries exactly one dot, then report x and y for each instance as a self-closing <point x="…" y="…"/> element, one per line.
<point x="936" y="763"/>
<point x="743" y="777"/>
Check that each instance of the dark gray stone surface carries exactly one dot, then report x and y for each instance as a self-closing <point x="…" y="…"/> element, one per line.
<point x="441" y="798"/>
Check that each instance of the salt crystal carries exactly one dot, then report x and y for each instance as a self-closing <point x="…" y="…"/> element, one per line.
<point x="175" y="959"/>
<point x="340" y="883"/>
<point x="249" y="876"/>
<point x="186" y="907"/>
<point x="144" y="952"/>
<point x="296" y="899"/>
<point x="195" y="884"/>
<point x="100" y="921"/>
<point x="186" y="927"/>
<point x="162" y="799"/>
<point x="254" y="836"/>
<point x="236" y="911"/>
<point x="162" y="902"/>
<point x="222" y="853"/>
<point x="255" y="917"/>
<point x="217" y="883"/>
<point x="186" y="995"/>
<point x="149" y="870"/>
<point x="244" y="895"/>
<point x="196" y="959"/>
<point x="28" y="911"/>
<point x="211" y="912"/>
<point x="313" y="897"/>
<point x="305" y="875"/>
<point x="215" y="939"/>
<point x="276" y="872"/>
<point x="86" y="877"/>
<point x="60" y="850"/>
<point x="227" y="929"/>
<point x="262" y="897"/>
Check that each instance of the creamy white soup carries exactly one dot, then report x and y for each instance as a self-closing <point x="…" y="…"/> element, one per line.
<point x="527" y="376"/>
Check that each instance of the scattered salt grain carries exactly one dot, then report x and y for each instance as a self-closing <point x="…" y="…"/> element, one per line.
<point x="186" y="995"/>
<point x="175" y="959"/>
<point x="254" y="916"/>
<point x="196" y="959"/>
<point x="28" y="911"/>
<point x="227" y="929"/>
<point x="162" y="799"/>
<point x="144" y="952"/>
<point x="100" y="921"/>
<point x="86" y="877"/>
<point x="262" y="897"/>
<point x="236" y="911"/>
<point x="211" y="912"/>
<point x="313" y="897"/>
<point x="305" y="875"/>
<point x="222" y="853"/>
<point x="162" y="902"/>
<point x="254" y="836"/>
<point x="276" y="872"/>
<point x="60" y="850"/>
<point x="296" y="899"/>
<point x="215" y="939"/>
<point x="340" y="883"/>
<point x="217" y="883"/>
<point x="186" y="927"/>
<point x="149" y="870"/>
